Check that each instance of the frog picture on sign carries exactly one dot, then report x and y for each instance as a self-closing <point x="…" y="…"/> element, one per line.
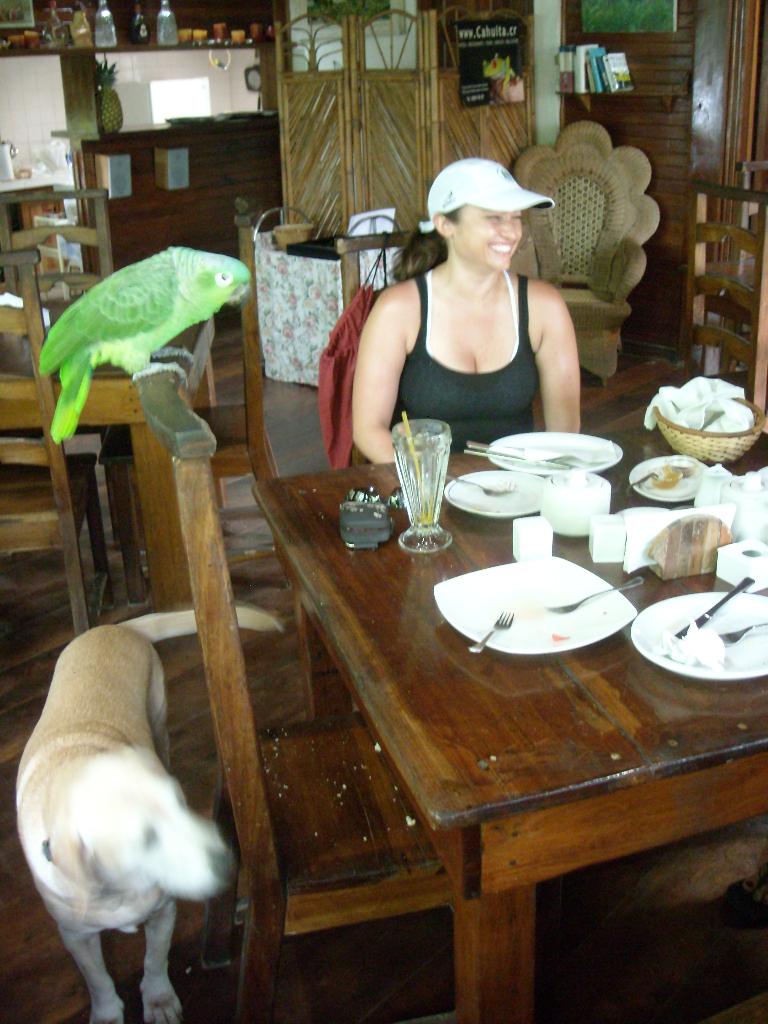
<point x="491" y="61"/>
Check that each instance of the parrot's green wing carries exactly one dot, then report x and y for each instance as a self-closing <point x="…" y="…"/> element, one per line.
<point x="136" y="301"/>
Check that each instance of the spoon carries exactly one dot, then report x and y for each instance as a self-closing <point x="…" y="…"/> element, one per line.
<point x="492" y="491"/>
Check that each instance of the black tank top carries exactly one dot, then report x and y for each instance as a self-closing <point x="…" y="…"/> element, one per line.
<point x="477" y="406"/>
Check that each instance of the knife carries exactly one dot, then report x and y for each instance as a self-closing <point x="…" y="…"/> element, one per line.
<point x="707" y="615"/>
<point x="553" y="467"/>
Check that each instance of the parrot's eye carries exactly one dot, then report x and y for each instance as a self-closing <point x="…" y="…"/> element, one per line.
<point x="223" y="279"/>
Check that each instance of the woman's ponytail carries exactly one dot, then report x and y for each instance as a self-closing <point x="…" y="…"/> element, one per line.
<point x="422" y="252"/>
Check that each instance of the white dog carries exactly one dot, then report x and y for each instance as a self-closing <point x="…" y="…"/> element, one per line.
<point x="105" y="829"/>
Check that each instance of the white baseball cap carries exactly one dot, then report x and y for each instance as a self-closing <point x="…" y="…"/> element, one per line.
<point x="482" y="183"/>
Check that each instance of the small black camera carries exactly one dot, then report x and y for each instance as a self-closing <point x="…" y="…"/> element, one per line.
<point x="364" y="524"/>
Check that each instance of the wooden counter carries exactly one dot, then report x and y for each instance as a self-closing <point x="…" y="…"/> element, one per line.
<point x="227" y="159"/>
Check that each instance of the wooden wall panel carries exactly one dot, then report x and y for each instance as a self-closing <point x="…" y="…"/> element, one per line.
<point x="392" y="163"/>
<point x="312" y="134"/>
<point x="661" y="127"/>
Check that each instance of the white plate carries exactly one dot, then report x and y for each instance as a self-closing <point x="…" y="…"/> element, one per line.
<point x="746" y="660"/>
<point x="473" y="602"/>
<point x="521" y="501"/>
<point x="684" y="489"/>
<point x="597" y="451"/>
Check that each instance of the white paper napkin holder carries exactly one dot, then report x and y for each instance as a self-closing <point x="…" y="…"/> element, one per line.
<point x="747" y="558"/>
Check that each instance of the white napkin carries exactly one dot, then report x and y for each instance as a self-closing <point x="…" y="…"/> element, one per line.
<point x="643" y="524"/>
<point x="697" y="647"/>
<point x="703" y="403"/>
<point x="9" y="299"/>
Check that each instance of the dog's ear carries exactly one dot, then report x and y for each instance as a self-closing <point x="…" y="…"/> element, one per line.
<point x="72" y="859"/>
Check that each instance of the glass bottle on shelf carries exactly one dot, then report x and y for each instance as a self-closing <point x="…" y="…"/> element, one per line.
<point x="81" y="29"/>
<point x="57" y="31"/>
<point x="167" y="33"/>
<point x="104" y="27"/>
<point x="139" y="31"/>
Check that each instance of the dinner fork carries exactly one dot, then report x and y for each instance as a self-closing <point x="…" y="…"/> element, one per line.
<point x="504" y="621"/>
<point x="492" y="492"/>
<point x="562" y="609"/>
<point x="729" y="639"/>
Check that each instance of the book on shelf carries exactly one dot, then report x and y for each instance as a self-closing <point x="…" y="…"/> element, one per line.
<point x="580" y="60"/>
<point x="595" y="57"/>
<point x="617" y="72"/>
<point x="565" y="57"/>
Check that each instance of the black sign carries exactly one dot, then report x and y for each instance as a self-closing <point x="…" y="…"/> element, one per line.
<point x="491" y="61"/>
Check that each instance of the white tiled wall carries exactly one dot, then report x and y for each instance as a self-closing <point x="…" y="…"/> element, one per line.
<point x="31" y="103"/>
<point x="32" y="97"/>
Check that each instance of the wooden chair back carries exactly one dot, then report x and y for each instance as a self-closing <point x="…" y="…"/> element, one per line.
<point x="349" y="248"/>
<point x="725" y="326"/>
<point x="91" y="232"/>
<point x="257" y="438"/>
<point x="35" y="520"/>
<point x="310" y="861"/>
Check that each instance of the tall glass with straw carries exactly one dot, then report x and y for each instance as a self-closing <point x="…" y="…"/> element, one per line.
<point x="422" y="448"/>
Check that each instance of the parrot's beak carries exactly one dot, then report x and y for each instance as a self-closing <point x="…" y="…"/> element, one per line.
<point x="239" y="295"/>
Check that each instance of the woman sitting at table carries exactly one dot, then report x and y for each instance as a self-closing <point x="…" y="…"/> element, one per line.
<point x="460" y="338"/>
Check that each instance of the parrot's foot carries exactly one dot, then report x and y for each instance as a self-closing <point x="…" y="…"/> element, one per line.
<point x="161" y="368"/>
<point x="176" y="352"/>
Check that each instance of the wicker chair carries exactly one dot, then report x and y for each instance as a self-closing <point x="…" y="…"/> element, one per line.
<point x="590" y="244"/>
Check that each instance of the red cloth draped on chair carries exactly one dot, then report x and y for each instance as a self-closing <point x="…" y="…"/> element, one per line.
<point x="337" y="371"/>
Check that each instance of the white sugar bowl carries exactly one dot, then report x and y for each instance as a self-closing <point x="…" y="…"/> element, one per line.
<point x="569" y="500"/>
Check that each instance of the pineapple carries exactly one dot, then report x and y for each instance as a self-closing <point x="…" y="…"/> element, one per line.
<point x="109" y="112"/>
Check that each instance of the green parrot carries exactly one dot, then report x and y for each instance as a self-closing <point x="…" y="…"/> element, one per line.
<point x="131" y="314"/>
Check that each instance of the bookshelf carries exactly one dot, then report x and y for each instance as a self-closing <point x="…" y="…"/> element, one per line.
<point x="661" y="83"/>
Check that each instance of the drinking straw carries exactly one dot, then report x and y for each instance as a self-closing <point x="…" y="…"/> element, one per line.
<point x="417" y="468"/>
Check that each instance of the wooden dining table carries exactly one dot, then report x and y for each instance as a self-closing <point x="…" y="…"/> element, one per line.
<point x="114" y="399"/>
<point x="523" y="768"/>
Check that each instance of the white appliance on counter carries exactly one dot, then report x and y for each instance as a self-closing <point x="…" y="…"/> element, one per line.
<point x="6" y="161"/>
<point x="155" y="102"/>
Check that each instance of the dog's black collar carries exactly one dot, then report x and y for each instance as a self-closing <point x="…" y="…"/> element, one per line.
<point x="47" y="850"/>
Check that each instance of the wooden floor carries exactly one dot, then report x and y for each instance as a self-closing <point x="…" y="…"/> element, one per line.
<point x="642" y="940"/>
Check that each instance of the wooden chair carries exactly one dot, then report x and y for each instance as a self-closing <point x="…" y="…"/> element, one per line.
<point x="44" y="496"/>
<point x="322" y="828"/>
<point x="591" y="244"/>
<point x="725" y="326"/>
<point x="243" y="444"/>
<point x="349" y="250"/>
<point x="91" y="233"/>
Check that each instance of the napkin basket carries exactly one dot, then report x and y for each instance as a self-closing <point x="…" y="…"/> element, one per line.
<point x="688" y="547"/>
<point x="710" y="446"/>
<point x="290" y="234"/>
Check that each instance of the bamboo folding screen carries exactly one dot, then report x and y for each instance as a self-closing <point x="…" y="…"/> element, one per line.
<point x="370" y="112"/>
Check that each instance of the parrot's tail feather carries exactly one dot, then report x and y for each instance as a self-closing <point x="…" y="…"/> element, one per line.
<point x="75" y="376"/>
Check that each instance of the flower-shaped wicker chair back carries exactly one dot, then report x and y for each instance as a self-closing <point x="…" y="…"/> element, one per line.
<point x="590" y="243"/>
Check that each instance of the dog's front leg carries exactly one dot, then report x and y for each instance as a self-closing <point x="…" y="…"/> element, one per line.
<point x="161" y="1005"/>
<point x="106" y="1005"/>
